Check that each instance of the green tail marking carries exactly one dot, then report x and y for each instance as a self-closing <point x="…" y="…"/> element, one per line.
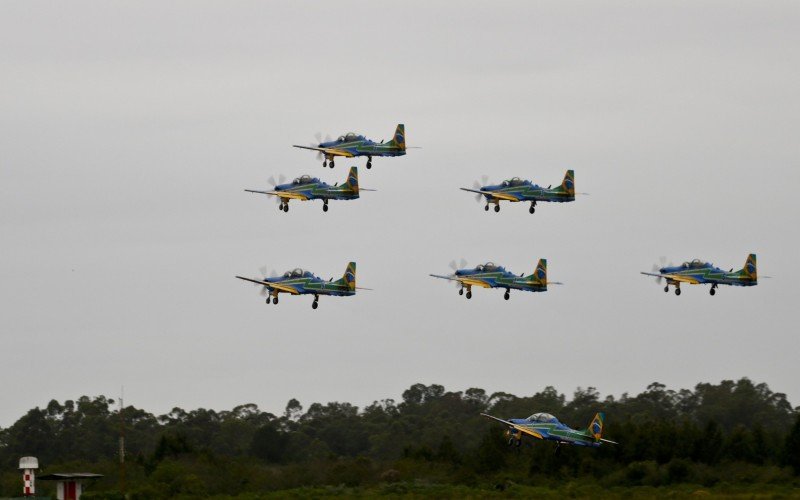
<point x="539" y="277"/>
<point x="399" y="139"/>
<point x="595" y="428"/>
<point x="568" y="184"/>
<point x="349" y="278"/>
<point x="352" y="179"/>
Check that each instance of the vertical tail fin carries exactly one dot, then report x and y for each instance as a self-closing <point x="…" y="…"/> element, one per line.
<point x="539" y="276"/>
<point x="349" y="277"/>
<point x="352" y="179"/>
<point x="750" y="270"/>
<point x="595" y="428"/>
<point x="568" y="184"/>
<point x="399" y="138"/>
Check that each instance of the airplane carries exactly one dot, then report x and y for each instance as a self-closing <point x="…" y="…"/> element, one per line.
<point x="516" y="190"/>
<point x="547" y="427"/>
<point x="306" y="188"/>
<point x="352" y="144"/>
<point x="300" y="282"/>
<point x="697" y="272"/>
<point x="490" y="275"/>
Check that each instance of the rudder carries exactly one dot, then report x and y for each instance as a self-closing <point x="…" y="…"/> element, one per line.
<point x="349" y="277"/>
<point x="399" y="138"/>
<point x="750" y="269"/>
<point x="352" y="179"/>
<point x="568" y="184"/>
<point x="539" y="276"/>
<point x="595" y="428"/>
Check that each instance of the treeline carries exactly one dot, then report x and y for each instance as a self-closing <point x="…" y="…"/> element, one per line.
<point x="735" y="432"/>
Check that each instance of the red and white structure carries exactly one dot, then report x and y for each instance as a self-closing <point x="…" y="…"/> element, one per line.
<point x="28" y="465"/>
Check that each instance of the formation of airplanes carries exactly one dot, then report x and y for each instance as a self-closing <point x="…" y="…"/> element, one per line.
<point x="540" y="426"/>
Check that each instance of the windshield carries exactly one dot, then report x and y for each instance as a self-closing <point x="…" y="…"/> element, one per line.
<point x="542" y="417"/>
<point x="694" y="264"/>
<point x="489" y="266"/>
<point x="297" y="273"/>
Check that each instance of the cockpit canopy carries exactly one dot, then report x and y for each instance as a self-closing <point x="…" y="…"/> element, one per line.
<point x="303" y="179"/>
<point x="488" y="267"/>
<point x="515" y="181"/>
<point x="350" y="136"/>
<point x="542" y="417"/>
<point x="695" y="264"/>
<point x="297" y="273"/>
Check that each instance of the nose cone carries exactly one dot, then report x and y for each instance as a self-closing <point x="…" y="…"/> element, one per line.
<point x="663" y="270"/>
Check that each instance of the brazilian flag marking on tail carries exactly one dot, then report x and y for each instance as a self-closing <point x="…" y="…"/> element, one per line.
<point x="352" y="179"/>
<point x="750" y="269"/>
<point x="399" y="138"/>
<point x="540" y="275"/>
<point x="596" y="426"/>
<point x="350" y="276"/>
<point x="568" y="184"/>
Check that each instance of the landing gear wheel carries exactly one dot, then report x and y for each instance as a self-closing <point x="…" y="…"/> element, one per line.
<point x="677" y="291"/>
<point x="314" y="305"/>
<point x="461" y="291"/>
<point x="369" y="163"/>
<point x="486" y="208"/>
<point x="325" y="164"/>
<point x="330" y="164"/>
<point x="275" y="300"/>
<point x="532" y="209"/>
<point x="469" y="294"/>
<point x="325" y="207"/>
<point x="497" y="208"/>
<point x="286" y="207"/>
<point x="666" y="289"/>
<point x="280" y="207"/>
<point x="268" y="298"/>
<point x="507" y="295"/>
<point x="712" y="291"/>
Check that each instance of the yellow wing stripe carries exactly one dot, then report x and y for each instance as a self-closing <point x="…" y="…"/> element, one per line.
<point x="291" y="195"/>
<point x="338" y="152"/>
<point x="502" y="196"/>
<point x="473" y="282"/>
<point x="528" y="431"/>
<point x="284" y="288"/>
<point x="682" y="279"/>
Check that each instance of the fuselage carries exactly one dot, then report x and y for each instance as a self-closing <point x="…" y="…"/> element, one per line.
<point x="516" y="190"/>
<point x="313" y="189"/>
<point x="498" y="277"/>
<point x="358" y="145"/>
<point x="697" y="273"/>
<point x="304" y="282"/>
<point x="554" y="431"/>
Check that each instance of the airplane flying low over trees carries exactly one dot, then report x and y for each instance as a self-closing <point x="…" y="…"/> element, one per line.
<point x="547" y="427"/>
<point x="490" y="275"/>
<point x="300" y="282"/>
<point x="516" y="190"/>
<point x="697" y="272"/>
<point x="351" y="144"/>
<point x="306" y="188"/>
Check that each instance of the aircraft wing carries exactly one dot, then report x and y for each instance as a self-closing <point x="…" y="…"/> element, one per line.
<point x="276" y="286"/>
<point x="328" y="151"/>
<point x="464" y="280"/>
<point x="520" y="428"/>
<point x="495" y="194"/>
<point x="674" y="277"/>
<point x="282" y="194"/>
<point x="608" y="441"/>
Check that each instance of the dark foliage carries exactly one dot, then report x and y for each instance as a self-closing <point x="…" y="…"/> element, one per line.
<point x="724" y="433"/>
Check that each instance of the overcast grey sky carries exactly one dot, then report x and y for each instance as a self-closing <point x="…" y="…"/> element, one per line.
<point x="129" y="130"/>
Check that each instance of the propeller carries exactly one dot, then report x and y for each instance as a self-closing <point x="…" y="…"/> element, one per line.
<point x="657" y="268"/>
<point x="455" y="266"/>
<point x="318" y="137"/>
<point x="273" y="183"/>
<point x="477" y="185"/>
<point x="272" y="274"/>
